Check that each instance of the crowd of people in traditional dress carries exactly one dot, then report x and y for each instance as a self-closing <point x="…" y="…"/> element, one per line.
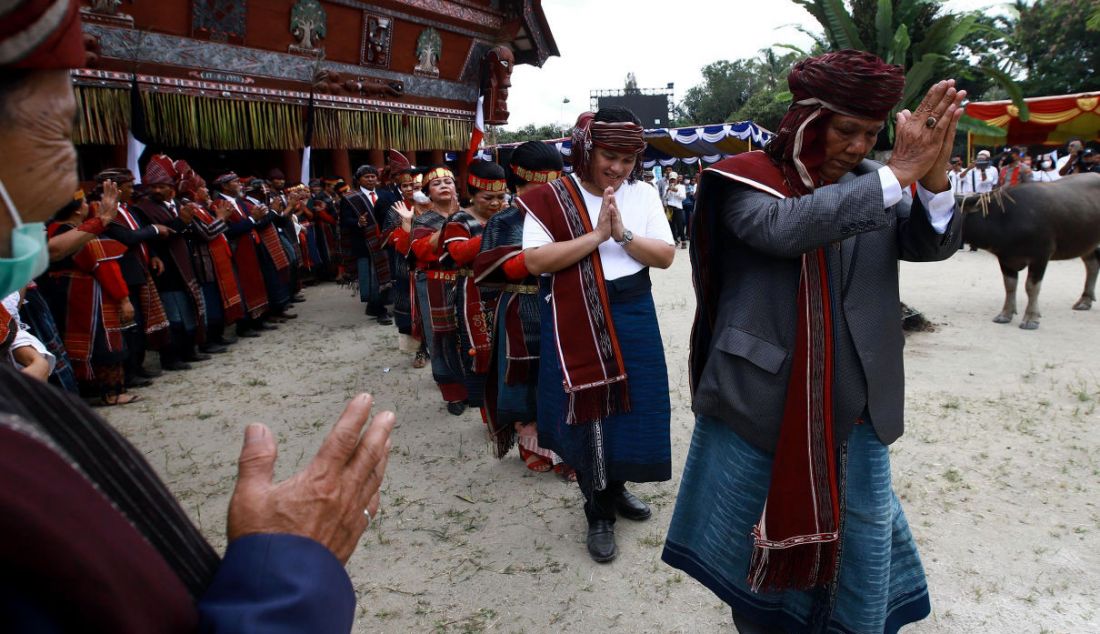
<point x="187" y="268"/>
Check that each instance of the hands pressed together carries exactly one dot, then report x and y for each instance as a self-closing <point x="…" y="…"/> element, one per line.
<point x="610" y="223"/>
<point x="923" y="138"/>
<point x="330" y="501"/>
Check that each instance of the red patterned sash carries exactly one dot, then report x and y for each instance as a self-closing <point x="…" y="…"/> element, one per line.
<point x="222" y="255"/>
<point x="594" y="373"/>
<point x="796" y="542"/>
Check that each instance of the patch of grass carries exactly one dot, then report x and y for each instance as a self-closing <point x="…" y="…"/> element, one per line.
<point x="255" y="382"/>
<point x="952" y="475"/>
<point x="653" y="540"/>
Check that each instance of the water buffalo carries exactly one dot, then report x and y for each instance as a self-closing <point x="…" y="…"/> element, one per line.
<point x="1030" y="224"/>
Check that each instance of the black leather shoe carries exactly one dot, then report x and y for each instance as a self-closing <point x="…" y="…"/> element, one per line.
<point x="385" y="320"/>
<point x="196" y="356"/>
<point x="213" y="348"/>
<point x="138" y="381"/>
<point x="248" y="333"/>
<point x="225" y="340"/>
<point x="298" y="299"/>
<point x="456" y="407"/>
<point x="263" y="325"/>
<point x="147" y="374"/>
<point x="601" y="540"/>
<point x="629" y="506"/>
<point x="175" y="366"/>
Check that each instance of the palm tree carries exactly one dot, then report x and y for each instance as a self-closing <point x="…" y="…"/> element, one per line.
<point x="912" y="34"/>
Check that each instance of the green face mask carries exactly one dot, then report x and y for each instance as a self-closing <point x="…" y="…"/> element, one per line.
<point x="29" y="255"/>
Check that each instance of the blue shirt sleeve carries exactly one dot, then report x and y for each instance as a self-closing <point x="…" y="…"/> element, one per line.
<point x="276" y="584"/>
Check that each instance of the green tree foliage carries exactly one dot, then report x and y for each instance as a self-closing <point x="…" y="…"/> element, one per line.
<point x="529" y="132"/>
<point x="1058" y="51"/>
<point x="726" y="87"/>
<point x="911" y="33"/>
<point x="735" y="91"/>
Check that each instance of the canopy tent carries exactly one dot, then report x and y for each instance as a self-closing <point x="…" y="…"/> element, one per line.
<point x="668" y="146"/>
<point x="1053" y="121"/>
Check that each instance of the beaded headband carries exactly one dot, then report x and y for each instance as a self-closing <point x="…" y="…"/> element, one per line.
<point x="488" y="185"/>
<point x="532" y="176"/>
<point x="439" y="172"/>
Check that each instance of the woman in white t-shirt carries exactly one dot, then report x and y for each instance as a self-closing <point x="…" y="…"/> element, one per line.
<point x="603" y="402"/>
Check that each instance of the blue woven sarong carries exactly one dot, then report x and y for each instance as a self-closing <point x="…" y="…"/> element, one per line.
<point x="881" y="583"/>
<point x="637" y="447"/>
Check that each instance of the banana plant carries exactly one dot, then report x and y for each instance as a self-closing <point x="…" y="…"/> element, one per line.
<point x="922" y="59"/>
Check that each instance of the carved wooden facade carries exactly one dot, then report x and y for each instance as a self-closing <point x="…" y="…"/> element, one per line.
<point x="238" y="74"/>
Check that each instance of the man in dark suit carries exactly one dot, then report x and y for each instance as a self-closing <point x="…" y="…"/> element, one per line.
<point x="796" y="357"/>
<point x="362" y="216"/>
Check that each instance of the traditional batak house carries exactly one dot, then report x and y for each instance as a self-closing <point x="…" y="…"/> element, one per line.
<point x="230" y="83"/>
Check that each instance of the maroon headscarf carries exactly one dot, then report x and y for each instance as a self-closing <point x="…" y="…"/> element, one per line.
<point x="42" y="35"/>
<point x="624" y="136"/>
<point x="160" y="171"/>
<point x="851" y="83"/>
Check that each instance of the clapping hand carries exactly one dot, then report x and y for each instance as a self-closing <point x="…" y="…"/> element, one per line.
<point x="326" y="500"/>
<point x="405" y="212"/>
<point x="108" y="202"/>
<point x="223" y="209"/>
<point x="921" y="150"/>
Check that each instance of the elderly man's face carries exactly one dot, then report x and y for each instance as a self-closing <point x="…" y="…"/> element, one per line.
<point x="162" y="192"/>
<point x="847" y="142"/>
<point x="368" y="180"/>
<point x="40" y="174"/>
<point x="233" y="188"/>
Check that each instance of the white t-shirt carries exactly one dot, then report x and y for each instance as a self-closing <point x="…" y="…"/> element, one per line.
<point x="643" y="214"/>
<point x="23" y="337"/>
<point x="973" y="184"/>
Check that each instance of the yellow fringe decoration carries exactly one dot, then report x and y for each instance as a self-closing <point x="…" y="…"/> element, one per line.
<point x="178" y="120"/>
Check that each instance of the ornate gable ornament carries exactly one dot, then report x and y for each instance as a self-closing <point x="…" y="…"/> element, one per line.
<point x="428" y="49"/>
<point x="375" y="48"/>
<point x="309" y="25"/>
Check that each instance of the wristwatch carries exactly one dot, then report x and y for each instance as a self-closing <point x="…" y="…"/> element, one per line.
<point x="628" y="237"/>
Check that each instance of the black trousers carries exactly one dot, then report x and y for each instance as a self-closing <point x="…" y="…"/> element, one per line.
<point x="679" y="227"/>
<point x="600" y="505"/>
<point x="135" y="335"/>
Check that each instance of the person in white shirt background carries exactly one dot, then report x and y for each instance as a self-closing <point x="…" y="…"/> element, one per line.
<point x="981" y="177"/>
<point x="674" y="209"/>
<point x="1047" y="171"/>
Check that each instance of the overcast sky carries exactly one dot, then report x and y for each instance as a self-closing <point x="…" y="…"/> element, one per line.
<point x="660" y="42"/>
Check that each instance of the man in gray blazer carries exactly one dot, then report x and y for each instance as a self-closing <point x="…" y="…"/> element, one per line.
<point x="785" y="509"/>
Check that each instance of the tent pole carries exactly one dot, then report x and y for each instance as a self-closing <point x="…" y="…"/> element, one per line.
<point x="969" y="149"/>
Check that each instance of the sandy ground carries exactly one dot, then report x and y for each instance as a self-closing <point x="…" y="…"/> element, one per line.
<point x="999" y="470"/>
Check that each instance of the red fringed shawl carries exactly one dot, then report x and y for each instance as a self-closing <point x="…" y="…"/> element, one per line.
<point x="440" y="281"/>
<point x="222" y="255"/>
<point x="249" y="273"/>
<point x="461" y="237"/>
<point x="372" y="233"/>
<point x="796" y="542"/>
<point x="593" y="370"/>
<point x="86" y="305"/>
